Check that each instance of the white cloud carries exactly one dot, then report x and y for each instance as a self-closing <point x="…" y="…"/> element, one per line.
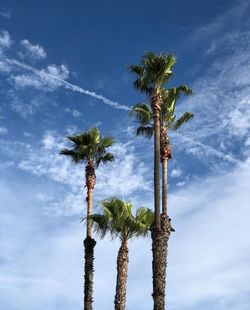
<point x="5" y="40"/>
<point x="4" y="67"/>
<point x="6" y="13"/>
<point x="7" y="164"/>
<point x="221" y="106"/>
<point x="3" y="131"/>
<point x="49" y="79"/>
<point x="126" y="176"/>
<point x="74" y="112"/>
<point x="211" y="242"/>
<point x="175" y="173"/>
<point x="211" y="222"/>
<point x="34" y="51"/>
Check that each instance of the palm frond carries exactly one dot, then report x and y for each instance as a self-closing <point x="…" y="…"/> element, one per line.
<point x="187" y="116"/>
<point x="89" y="145"/>
<point x="117" y="220"/>
<point x="142" y="113"/>
<point x="146" y="131"/>
<point x="104" y="159"/>
<point x="72" y="154"/>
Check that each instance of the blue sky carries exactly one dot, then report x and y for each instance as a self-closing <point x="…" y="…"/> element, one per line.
<point x="63" y="70"/>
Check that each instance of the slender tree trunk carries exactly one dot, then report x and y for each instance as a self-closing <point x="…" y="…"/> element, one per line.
<point x="156" y="107"/>
<point x="157" y="236"/>
<point x="165" y="156"/>
<point x="89" y="243"/>
<point x="163" y="235"/>
<point x="122" y="274"/>
<point x="160" y="250"/>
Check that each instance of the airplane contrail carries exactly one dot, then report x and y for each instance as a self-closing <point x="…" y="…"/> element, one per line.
<point x="67" y="85"/>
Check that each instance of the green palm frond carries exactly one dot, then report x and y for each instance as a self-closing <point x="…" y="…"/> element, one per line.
<point x="187" y="116"/>
<point x="153" y="72"/>
<point x="117" y="220"/>
<point x="157" y="68"/>
<point x="137" y="69"/>
<point x="89" y="145"/>
<point x="74" y="156"/>
<point x="146" y="131"/>
<point x="142" y="113"/>
<point x="104" y="159"/>
<point x="107" y="141"/>
<point x="100" y="224"/>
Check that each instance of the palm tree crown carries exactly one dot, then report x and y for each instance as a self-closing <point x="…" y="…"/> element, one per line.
<point x="143" y="114"/>
<point x="153" y="72"/>
<point x="89" y="146"/>
<point x="116" y="219"/>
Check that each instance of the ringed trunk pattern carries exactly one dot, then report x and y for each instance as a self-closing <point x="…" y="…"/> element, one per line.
<point x="158" y="238"/>
<point x="122" y="274"/>
<point x="160" y="241"/>
<point x="156" y="100"/>
<point x="166" y="154"/>
<point x="89" y="243"/>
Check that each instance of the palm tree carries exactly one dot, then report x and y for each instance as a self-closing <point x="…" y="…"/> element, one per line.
<point x="143" y="113"/>
<point x="90" y="148"/>
<point x="116" y="219"/>
<point x="152" y="74"/>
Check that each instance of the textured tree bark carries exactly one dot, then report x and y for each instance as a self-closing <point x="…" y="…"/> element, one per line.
<point x="89" y="243"/>
<point x="90" y="184"/>
<point x="166" y="154"/>
<point x="164" y="186"/>
<point x="122" y="274"/>
<point x="159" y="248"/>
<point x="156" y="107"/>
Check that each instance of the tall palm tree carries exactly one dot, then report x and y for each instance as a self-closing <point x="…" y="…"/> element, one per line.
<point x="143" y="113"/>
<point x="89" y="148"/>
<point x="152" y="74"/>
<point x="116" y="219"/>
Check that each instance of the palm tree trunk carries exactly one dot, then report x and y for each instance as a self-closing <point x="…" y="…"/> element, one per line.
<point x="122" y="274"/>
<point x="156" y="107"/>
<point x="160" y="245"/>
<point x="164" y="185"/>
<point x="165" y="156"/>
<point x="156" y="232"/>
<point x="89" y="243"/>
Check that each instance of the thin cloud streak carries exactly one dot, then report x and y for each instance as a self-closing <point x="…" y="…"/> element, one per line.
<point x="67" y="85"/>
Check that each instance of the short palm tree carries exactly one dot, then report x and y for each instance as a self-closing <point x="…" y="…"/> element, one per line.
<point x="152" y="74"/>
<point x="143" y="113"/>
<point x="116" y="219"/>
<point x="89" y="148"/>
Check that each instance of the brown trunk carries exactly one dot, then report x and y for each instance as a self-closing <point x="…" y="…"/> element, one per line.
<point x="89" y="243"/>
<point x="160" y="247"/>
<point x="90" y="184"/>
<point x="156" y="107"/>
<point x="164" y="186"/>
<point x="165" y="156"/>
<point x="157" y="237"/>
<point x="122" y="274"/>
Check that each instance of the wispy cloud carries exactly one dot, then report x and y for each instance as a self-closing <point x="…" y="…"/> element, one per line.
<point x="5" y="40"/>
<point x="3" y="131"/>
<point x="33" y="51"/>
<point x="48" y="79"/>
<point x="5" y="12"/>
<point x="54" y="79"/>
<point x="73" y="112"/>
<point x="126" y="176"/>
